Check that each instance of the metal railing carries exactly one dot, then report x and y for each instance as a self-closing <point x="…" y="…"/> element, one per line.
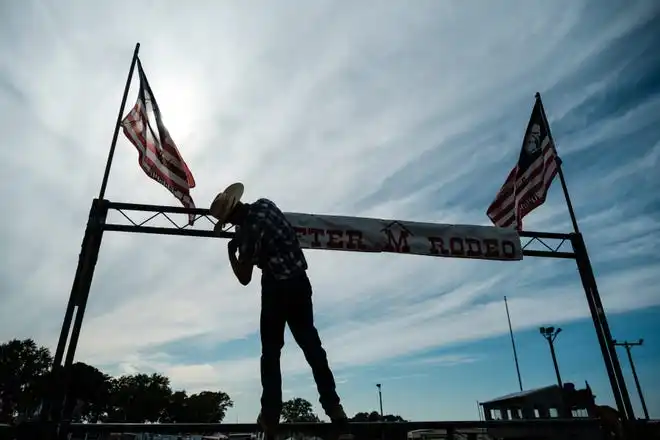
<point x="546" y="429"/>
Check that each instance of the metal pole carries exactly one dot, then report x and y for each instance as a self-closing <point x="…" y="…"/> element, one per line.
<point x="583" y="270"/>
<point x="513" y="344"/>
<point x="382" y="418"/>
<point x="550" y="334"/>
<point x="113" y="143"/>
<point x="612" y="363"/>
<point x="551" y="341"/>
<point x="70" y="308"/>
<point x="78" y="300"/>
<point x="380" y="398"/>
<point x="560" y="172"/>
<point x="639" y="388"/>
<point x="628" y="346"/>
<point x="52" y="404"/>
<point x="100" y="212"/>
<point x="593" y="298"/>
<point x="616" y="364"/>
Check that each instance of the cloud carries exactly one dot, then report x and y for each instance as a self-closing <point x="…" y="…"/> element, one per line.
<point x="398" y="112"/>
<point x="444" y="360"/>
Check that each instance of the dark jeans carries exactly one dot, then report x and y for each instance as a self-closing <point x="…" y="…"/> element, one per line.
<point x="290" y="302"/>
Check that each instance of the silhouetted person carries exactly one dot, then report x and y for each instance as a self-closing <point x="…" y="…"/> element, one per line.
<point x="265" y="238"/>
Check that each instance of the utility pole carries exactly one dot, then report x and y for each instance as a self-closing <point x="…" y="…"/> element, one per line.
<point x="380" y="398"/>
<point x="550" y="334"/>
<point x="628" y="346"/>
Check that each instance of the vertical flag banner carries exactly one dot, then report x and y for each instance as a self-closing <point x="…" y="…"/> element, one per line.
<point x="158" y="155"/>
<point x="527" y="185"/>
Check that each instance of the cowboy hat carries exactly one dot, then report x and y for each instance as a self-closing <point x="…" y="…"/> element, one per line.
<point x="225" y="202"/>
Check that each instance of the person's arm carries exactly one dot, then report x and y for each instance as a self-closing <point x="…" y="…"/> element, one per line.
<point x="242" y="270"/>
<point x="248" y="243"/>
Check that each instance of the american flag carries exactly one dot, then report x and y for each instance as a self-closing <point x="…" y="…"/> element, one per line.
<point x="527" y="185"/>
<point x="158" y="155"/>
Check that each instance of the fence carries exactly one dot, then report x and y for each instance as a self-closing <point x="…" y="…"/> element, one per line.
<point x="550" y="429"/>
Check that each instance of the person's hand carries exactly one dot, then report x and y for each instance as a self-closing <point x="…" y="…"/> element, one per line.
<point x="217" y="229"/>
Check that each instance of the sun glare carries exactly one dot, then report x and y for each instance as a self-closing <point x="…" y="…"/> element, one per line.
<point x="180" y="104"/>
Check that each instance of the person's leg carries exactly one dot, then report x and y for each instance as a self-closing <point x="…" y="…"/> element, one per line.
<point x="273" y="321"/>
<point x="300" y="317"/>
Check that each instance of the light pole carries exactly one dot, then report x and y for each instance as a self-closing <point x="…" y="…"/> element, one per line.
<point x="550" y="334"/>
<point x="380" y="399"/>
<point x="628" y="345"/>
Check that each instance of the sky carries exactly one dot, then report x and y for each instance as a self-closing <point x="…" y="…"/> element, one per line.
<point x="375" y="108"/>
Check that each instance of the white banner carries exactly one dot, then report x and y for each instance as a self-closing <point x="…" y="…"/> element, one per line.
<point x="359" y="234"/>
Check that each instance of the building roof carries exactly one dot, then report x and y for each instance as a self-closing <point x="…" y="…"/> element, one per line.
<point x="521" y="394"/>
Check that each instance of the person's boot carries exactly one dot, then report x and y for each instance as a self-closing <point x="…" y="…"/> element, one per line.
<point x="268" y="426"/>
<point x="340" y="421"/>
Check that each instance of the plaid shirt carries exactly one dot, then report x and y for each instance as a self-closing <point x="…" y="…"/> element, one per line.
<point x="267" y="239"/>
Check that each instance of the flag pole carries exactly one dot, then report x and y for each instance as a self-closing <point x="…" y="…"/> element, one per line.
<point x="564" y="188"/>
<point x="612" y="364"/>
<point x="513" y="344"/>
<point x="113" y="144"/>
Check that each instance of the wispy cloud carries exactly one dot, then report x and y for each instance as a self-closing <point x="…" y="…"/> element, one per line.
<point x="448" y="360"/>
<point x="392" y="111"/>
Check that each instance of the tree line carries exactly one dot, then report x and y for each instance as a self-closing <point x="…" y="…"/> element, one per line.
<point x="300" y="410"/>
<point x="26" y="379"/>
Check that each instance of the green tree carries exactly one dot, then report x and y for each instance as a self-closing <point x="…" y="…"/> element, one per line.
<point x="393" y="418"/>
<point x="374" y="416"/>
<point x="298" y="410"/>
<point x="26" y="379"/>
<point x="177" y="407"/>
<point x="22" y="367"/>
<point x="361" y="417"/>
<point x="204" y="407"/>
<point x="91" y="388"/>
<point x="88" y="391"/>
<point x="208" y="407"/>
<point x="139" y="398"/>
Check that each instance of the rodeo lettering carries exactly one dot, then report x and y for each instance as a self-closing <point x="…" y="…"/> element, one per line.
<point x="401" y="242"/>
<point x="472" y="247"/>
<point x="333" y="238"/>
